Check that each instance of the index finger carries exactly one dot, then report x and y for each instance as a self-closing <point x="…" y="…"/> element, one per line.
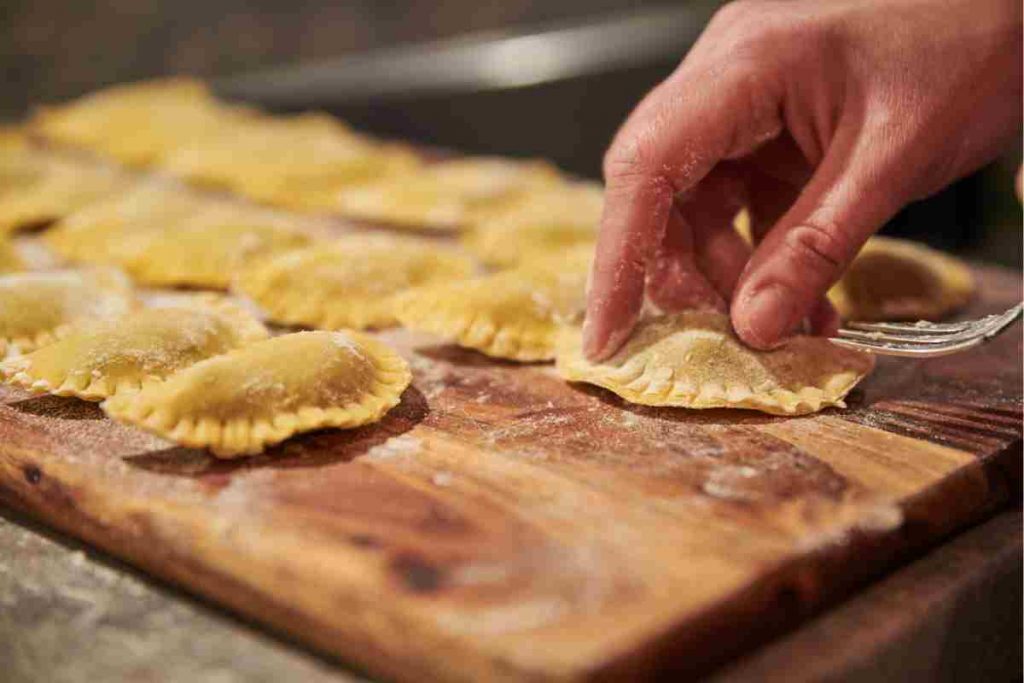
<point x="684" y="127"/>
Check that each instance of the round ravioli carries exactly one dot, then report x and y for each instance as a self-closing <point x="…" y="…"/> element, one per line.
<point x="37" y="308"/>
<point x="546" y="221"/>
<point x="349" y="282"/>
<point x="514" y="314"/>
<point x="245" y="400"/>
<point x="695" y="360"/>
<point x="446" y="195"/>
<point x="893" y="279"/>
<point x="102" y="359"/>
<point x="55" y="189"/>
<point x="10" y="259"/>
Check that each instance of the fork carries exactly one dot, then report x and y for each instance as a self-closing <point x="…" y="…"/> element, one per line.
<point x="924" y="339"/>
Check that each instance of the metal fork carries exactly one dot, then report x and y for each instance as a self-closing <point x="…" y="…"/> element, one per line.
<point x="924" y="339"/>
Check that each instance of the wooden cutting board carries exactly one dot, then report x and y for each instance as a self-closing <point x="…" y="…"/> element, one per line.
<point x="501" y="524"/>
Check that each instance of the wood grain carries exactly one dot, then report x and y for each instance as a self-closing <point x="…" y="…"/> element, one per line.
<point x="503" y="525"/>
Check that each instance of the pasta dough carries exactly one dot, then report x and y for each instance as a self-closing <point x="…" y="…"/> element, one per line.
<point x="445" y="195"/>
<point x="894" y="279"/>
<point x="10" y="260"/>
<point x="136" y="123"/>
<point x="37" y="308"/>
<point x="548" y="220"/>
<point x="166" y="238"/>
<point x="49" y="189"/>
<point x="514" y="314"/>
<point x="349" y="282"/>
<point x="694" y="360"/>
<point x="240" y="402"/>
<point x="107" y="358"/>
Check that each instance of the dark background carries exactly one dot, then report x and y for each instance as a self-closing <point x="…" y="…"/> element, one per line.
<point x="54" y="49"/>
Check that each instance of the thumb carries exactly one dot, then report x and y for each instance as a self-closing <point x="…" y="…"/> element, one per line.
<point x="852" y="193"/>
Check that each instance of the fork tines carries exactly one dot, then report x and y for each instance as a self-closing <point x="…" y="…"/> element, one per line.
<point x="924" y="339"/>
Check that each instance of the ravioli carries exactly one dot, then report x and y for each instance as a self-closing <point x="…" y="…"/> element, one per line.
<point x="446" y="195"/>
<point x="90" y="234"/>
<point x="514" y="314"/>
<point x="299" y="162"/>
<point x="694" y="360"/>
<point x="893" y="279"/>
<point x="10" y="259"/>
<point x="137" y="123"/>
<point x="166" y="238"/>
<point x="347" y="283"/>
<point x="37" y="308"/>
<point x="259" y="395"/>
<point x="51" y="189"/>
<point x="107" y="358"/>
<point x="546" y="221"/>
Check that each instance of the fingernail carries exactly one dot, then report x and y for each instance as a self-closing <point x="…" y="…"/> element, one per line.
<point x="768" y="317"/>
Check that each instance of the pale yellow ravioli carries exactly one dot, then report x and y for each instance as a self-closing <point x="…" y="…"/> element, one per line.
<point x="52" y="188"/>
<point x="165" y="237"/>
<point x="101" y="359"/>
<point x="299" y="162"/>
<point x="695" y="360"/>
<point x="37" y="308"/>
<point x="514" y="314"/>
<point x="137" y="123"/>
<point x="545" y="221"/>
<point x="350" y="282"/>
<point x="446" y="195"/>
<point x="90" y="234"/>
<point x="245" y="400"/>
<point x="893" y="279"/>
<point x="10" y="259"/>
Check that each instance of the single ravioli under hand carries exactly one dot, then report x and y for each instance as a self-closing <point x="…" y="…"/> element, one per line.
<point x="37" y="308"/>
<point x="694" y="360"/>
<point x="514" y="314"/>
<point x="103" y="359"/>
<point x="240" y="402"/>
<point x="349" y="282"/>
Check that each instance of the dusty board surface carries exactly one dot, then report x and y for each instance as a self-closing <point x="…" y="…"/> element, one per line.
<point x="502" y="524"/>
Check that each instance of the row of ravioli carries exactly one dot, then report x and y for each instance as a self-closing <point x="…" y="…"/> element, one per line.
<point x="310" y="162"/>
<point x="534" y="226"/>
<point x="195" y="368"/>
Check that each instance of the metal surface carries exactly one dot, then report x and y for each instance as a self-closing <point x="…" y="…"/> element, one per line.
<point x="925" y="339"/>
<point x="482" y="62"/>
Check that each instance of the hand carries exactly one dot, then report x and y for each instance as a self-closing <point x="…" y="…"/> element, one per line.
<point x="824" y="119"/>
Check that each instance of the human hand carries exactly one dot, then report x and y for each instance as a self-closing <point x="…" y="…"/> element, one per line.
<point x="823" y="119"/>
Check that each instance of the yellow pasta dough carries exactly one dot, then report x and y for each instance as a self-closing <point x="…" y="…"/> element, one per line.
<point x="101" y="359"/>
<point x="37" y="308"/>
<point x="514" y="314"/>
<point x="52" y="188"/>
<point x="169" y="238"/>
<point x="896" y="279"/>
<point x="446" y="195"/>
<point x="136" y="123"/>
<point x="893" y="279"/>
<point x="10" y="260"/>
<point x="547" y="220"/>
<point x="695" y="360"/>
<point x="347" y="283"/>
<point x="240" y="402"/>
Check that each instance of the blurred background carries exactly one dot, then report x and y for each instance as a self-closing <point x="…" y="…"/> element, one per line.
<point x="548" y="78"/>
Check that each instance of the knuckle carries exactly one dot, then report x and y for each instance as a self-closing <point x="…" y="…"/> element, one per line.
<point x="628" y="161"/>
<point x="819" y="247"/>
